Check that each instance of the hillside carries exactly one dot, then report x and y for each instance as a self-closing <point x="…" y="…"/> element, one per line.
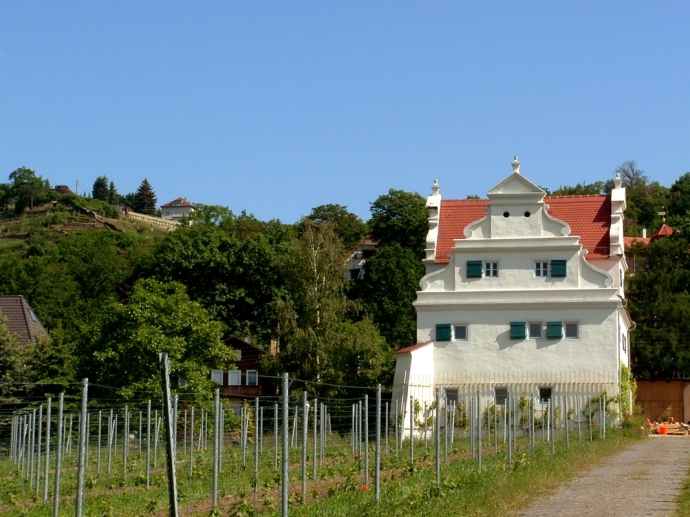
<point x="46" y="224"/>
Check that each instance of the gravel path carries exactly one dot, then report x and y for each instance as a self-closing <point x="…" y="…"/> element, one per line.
<point x="641" y="481"/>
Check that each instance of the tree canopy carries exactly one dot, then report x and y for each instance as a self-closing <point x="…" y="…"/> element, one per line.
<point x="400" y="217"/>
<point x="144" y="200"/>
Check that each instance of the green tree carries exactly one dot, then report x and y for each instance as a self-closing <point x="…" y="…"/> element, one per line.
<point x="14" y="364"/>
<point x="598" y="187"/>
<point x="390" y="284"/>
<point x="100" y="189"/>
<point x="679" y="198"/>
<point x="26" y="187"/>
<point x="660" y="305"/>
<point x="346" y="225"/>
<point x="145" y="199"/>
<point x="159" y="317"/>
<point x="316" y="303"/>
<point x="400" y="217"/>
<point x="113" y="197"/>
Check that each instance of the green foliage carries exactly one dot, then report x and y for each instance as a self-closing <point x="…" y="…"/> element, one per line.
<point x="100" y="189"/>
<point x="144" y="201"/>
<point x="679" y="199"/>
<point x="598" y="187"/>
<point x="27" y="188"/>
<point x="389" y="287"/>
<point x="660" y="306"/>
<point x="14" y="364"/>
<point x="346" y="225"/>
<point x="400" y="217"/>
<point x="159" y="317"/>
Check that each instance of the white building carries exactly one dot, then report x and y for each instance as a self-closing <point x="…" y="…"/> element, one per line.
<point x="176" y="209"/>
<point x="523" y="294"/>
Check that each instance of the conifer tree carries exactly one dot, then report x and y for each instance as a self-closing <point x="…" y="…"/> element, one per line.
<point x="145" y="199"/>
<point x="100" y="188"/>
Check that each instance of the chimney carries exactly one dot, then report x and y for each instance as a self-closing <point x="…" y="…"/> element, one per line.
<point x="644" y="233"/>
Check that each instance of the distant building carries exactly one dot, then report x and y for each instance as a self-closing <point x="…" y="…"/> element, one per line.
<point x="176" y="209"/>
<point x="21" y="319"/>
<point x="358" y="256"/>
<point x="637" y="258"/>
<point x="243" y="382"/>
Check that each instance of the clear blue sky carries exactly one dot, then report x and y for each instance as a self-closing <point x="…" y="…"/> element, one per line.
<point x="277" y="107"/>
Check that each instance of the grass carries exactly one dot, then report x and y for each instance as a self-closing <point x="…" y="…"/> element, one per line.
<point x="683" y="501"/>
<point x="339" y="490"/>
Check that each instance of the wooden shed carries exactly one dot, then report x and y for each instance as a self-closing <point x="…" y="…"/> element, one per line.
<point x="664" y="396"/>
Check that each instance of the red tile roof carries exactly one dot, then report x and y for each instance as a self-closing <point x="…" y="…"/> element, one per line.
<point x="21" y="319"/>
<point x="589" y="217"/>
<point x="180" y="201"/>
<point x="629" y="241"/>
<point x="412" y="348"/>
<point x="663" y="231"/>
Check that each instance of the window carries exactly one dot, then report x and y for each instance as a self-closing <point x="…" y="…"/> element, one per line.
<point x="558" y="268"/>
<point x="571" y="331"/>
<point x="554" y="330"/>
<point x="544" y="395"/>
<point x="474" y="269"/>
<point x="234" y="378"/>
<point x="452" y="396"/>
<point x="624" y="343"/>
<point x="217" y="376"/>
<point x="541" y="268"/>
<point x="460" y="332"/>
<point x="535" y="330"/>
<point x="355" y="274"/>
<point x="443" y="332"/>
<point x="252" y="378"/>
<point x="491" y="269"/>
<point x="501" y="395"/>
<point x="239" y="354"/>
<point x="518" y="330"/>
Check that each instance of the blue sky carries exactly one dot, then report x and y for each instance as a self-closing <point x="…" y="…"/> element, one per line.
<point x="277" y="107"/>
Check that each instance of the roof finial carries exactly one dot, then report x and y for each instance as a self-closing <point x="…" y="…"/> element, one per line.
<point x="435" y="188"/>
<point x="618" y="182"/>
<point x="516" y="165"/>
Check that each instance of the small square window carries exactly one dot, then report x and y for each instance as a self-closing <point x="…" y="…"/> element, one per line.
<point x="460" y="332"/>
<point x="571" y="331"/>
<point x="234" y="378"/>
<point x="491" y="269"/>
<point x="217" y="376"/>
<point x="252" y="378"/>
<point x="535" y="330"/>
<point x="501" y="395"/>
<point x="541" y="269"/>
<point x="544" y="394"/>
<point x="452" y="396"/>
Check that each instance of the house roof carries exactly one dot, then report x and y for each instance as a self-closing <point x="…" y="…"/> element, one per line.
<point x="180" y="201"/>
<point x="589" y="217"/>
<point x="366" y="241"/>
<point x="663" y="231"/>
<point x="21" y="319"/>
<point x="629" y="241"/>
<point x="412" y="348"/>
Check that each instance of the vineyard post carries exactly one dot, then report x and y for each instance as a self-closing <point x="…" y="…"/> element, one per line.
<point x="81" y="453"/>
<point x="148" y="443"/>
<point x="377" y="461"/>
<point x="170" y="445"/>
<point x="58" y="457"/>
<point x="285" y="458"/>
<point x="216" y="422"/>
<point x="438" y="437"/>
<point x="47" y="466"/>
<point x="305" y="414"/>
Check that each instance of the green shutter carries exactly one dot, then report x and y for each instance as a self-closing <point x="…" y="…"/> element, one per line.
<point x="474" y="269"/>
<point x="554" y="330"/>
<point x="518" y="330"/>
<point x="558" y="268"/>
<point x="443" y="332"/>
